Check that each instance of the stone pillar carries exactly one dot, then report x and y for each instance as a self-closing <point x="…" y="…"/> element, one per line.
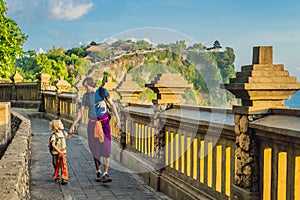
<point x="129" y="90"/>
<point x="159" y="135"/>
<point x="261" y="86"/>
<point x="122" y="130"/>
<point x="79" y="87"/>
<point x="5" y="80"/>
<point x="44" y="84"/>
<point x="168" y="88"/>
<point x="62" y="86"/>
<point x="110" y="86"/>
<point x="246" y="177"/>
<point x="5" y="126"/>
<point x="17" y="78"/>
<point x="44" y="80"/>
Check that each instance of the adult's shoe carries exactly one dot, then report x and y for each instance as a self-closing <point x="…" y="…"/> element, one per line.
<point x="106" y="178"/>
<point x="99" y="176"/>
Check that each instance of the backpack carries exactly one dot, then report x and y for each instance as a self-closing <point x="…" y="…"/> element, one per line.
<point x="109" y="109"/>
<point x="56" y="140"/>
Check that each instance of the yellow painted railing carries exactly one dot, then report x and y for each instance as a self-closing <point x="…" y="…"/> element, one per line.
<point x="205" y="164"/>
<point x="143" y="137"/>
<point x="281" y="174"/>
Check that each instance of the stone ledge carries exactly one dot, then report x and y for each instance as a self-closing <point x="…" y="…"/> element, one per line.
<point x="178" y="189"/>
<point x="14" y="181"/>
<point x="138" y="165"/>
<point x="239" y="193"/>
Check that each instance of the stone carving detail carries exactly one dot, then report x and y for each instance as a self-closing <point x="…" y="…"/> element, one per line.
<point x="246" y="155"/>
<point x="159" y="133"/>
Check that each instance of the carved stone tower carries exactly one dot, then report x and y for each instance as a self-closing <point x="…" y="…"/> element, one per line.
<point x="261" y="86"/>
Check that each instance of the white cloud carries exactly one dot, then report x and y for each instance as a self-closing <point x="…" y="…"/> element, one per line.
<point x="68" y="9"/>
<point x="28" y="11"/>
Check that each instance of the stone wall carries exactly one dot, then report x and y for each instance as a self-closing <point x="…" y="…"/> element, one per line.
<point x="14" y="164"/>
<point x="5" y="126"/>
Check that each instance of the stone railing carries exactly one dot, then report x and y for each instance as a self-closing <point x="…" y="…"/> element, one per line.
<point x="21" y="94"/>
<point x="277" y="155"/>
<point x="200" y="154"/>
<point x="187" y="154"/>
<point x="61" y="105"/>
<point x="14" y="164"/>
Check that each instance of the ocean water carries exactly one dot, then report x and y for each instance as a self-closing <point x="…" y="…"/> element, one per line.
<point x="294" y="102"/>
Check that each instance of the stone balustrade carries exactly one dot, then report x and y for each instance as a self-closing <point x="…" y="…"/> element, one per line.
<point x="14" y="181"/>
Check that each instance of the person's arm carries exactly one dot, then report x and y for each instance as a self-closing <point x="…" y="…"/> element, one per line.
<point x="78" y="117"/>
<point x="56" y="148"/>
<point x="114" y="109"/>
<point x="69" y="136"/>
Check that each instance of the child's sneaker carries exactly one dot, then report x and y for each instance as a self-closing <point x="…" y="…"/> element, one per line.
<point x="99" y="176"/>
<point x="106" y="178"/>
<point x="57" y="179"/>
<point x="64" y="182"/>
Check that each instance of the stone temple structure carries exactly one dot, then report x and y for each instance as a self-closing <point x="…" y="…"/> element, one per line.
<point x="262" y="85"/>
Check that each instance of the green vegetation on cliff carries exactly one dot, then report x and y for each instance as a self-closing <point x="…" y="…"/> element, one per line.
<point x="56" y="62"/>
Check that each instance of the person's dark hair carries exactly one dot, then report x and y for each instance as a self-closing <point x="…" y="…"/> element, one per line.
<point x="90" y="82"/>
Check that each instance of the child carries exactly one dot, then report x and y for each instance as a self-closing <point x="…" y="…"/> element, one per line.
<point x="58" y="141"/>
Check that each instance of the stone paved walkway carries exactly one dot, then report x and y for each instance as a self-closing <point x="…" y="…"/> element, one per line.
<point x="82" y="184"/>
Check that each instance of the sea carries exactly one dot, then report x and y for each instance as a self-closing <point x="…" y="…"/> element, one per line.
<point x="294" y="101"/>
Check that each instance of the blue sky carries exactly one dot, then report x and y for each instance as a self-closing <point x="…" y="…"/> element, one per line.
<point x="238" y="24"/>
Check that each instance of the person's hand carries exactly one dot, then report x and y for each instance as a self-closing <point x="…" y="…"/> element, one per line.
<point x="72" y="130"/>
<point x="118" y="123"/>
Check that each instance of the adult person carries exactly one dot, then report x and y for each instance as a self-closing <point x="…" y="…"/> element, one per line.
<point x="98" y="129"/>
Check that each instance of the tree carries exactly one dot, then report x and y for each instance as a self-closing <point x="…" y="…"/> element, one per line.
<point x="11" y="42"/>
<point x="79" y="51"/>
<point x="199" y="46"/>
<point x="141" y="44"/>
<point x="225" y="64"/>
<point x="28" y="66"/>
